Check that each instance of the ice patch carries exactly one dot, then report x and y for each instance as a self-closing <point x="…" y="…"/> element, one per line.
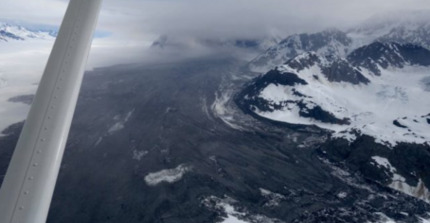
<point x="169" y="175"/>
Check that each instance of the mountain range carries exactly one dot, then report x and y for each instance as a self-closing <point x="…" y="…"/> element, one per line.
<point x="321" y="127"/>
<point x="403" y="28"/>
<point x="375" y="90"/>
<point x="10" y="32"/>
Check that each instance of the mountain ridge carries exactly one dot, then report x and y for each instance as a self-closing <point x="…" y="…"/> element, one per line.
<point x="408" y="28"/>
<point x="11" y="32"/>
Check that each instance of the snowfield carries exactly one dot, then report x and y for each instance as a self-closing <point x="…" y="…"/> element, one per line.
<point x="393" y="108"/>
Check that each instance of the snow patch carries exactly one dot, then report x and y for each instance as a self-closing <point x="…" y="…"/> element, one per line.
<point x="342" y="195"/>
<point x="231" y="214"/>
<point x="169" y="175"/>
<point x="381" y="161"/>
<point x="274" y="199"/>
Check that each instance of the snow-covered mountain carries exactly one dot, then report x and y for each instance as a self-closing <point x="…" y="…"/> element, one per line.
<point x="379" y="90"/>
<point x="402" y="28"/>
<point x="10" y="32"/>
<point x="329" y="42"/>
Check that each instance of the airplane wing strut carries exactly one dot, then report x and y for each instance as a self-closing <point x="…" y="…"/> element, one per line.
<point x="28" y="186"/>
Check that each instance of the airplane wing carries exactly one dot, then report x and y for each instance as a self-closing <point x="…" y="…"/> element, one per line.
<point x="28" y="186"/>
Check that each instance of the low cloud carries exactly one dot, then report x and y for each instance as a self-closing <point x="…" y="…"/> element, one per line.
<point x="145" y="20"/>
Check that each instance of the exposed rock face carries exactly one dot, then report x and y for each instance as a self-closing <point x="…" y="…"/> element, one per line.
<point x="342" y="71"/>
<point x="389" y="55"/>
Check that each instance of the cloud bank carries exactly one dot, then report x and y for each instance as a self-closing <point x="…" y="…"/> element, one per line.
<point x="144" y="20"/>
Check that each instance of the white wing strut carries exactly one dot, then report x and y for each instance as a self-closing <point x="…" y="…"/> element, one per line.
<point x="28" y="186"/>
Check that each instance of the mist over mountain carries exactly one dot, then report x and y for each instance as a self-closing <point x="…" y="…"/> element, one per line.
<point x="401" y="27"/>
<point x="258" y="45"/>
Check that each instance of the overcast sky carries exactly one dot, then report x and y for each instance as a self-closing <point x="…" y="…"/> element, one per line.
<point x="147" y="19"/>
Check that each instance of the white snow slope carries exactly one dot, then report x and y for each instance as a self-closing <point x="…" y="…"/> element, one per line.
<point x="397" y="95"/>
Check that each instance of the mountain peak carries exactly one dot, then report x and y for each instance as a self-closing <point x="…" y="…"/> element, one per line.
<point x="332" y="42"/>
